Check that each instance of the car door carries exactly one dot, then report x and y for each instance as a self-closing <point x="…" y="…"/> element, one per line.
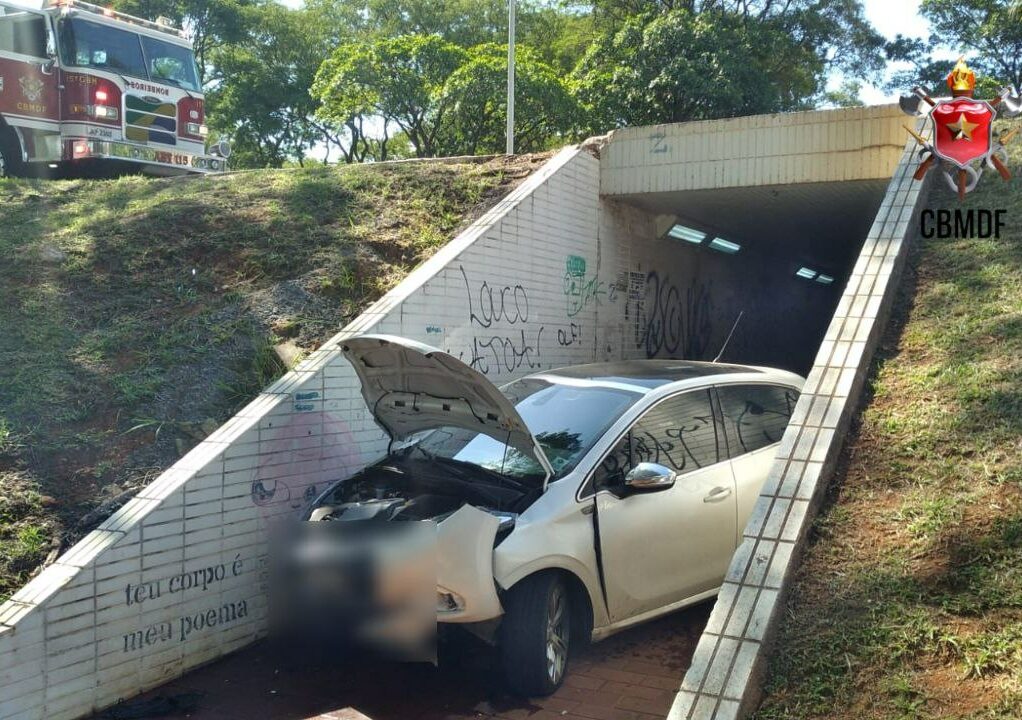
<point x="755" y="417"/>
<point x="662" y="547"/>
<point x="28" y="79"/>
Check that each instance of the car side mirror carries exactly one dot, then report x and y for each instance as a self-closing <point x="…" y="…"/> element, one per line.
<point x="650" y="477"/>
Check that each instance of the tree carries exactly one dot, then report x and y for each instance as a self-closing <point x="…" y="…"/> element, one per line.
<point x="990" y="29"/>
<point x="847" y="95"/>
<point x="558" y="32"/>
<point x="260" y="98"/>
<point x="400" y="80"/>
<point x="677" y="60"/>
<point x="476" y="94"/>
<point x="680" y="66"/>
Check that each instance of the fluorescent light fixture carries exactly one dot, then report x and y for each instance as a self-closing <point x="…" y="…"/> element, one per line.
<point x="807" y="273"/>
<point x="825" y="279"/>
<point x="725" y="246"/>
<point x="680" y="232"/>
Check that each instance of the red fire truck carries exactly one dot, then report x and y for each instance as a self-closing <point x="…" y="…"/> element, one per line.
<point x="84" y="89"/>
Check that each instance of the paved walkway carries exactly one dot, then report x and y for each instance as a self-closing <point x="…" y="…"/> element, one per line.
<point x="631" y="676"/>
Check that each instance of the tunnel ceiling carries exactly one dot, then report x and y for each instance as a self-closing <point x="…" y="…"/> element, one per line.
<point x="817" y="222"/>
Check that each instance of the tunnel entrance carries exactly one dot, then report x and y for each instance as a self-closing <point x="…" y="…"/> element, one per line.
<point x="779" y="256"/>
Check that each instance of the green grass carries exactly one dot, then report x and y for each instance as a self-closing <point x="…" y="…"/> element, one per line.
<point x="138" y="312"/>
<point x="908" y="603"/>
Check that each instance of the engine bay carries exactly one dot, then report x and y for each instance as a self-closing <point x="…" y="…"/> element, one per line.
<point x="402" y="488"/>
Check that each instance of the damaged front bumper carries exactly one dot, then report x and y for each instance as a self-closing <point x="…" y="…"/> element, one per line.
<point x="466" y="590"/>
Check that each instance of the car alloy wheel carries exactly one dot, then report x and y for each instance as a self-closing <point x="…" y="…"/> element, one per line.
<point x="558" y="629"/>
<point x="535" y="634"/>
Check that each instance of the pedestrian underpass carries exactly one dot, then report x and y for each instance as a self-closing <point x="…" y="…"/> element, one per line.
<point x="773" y="259"/>
<point x="647" y="243"/>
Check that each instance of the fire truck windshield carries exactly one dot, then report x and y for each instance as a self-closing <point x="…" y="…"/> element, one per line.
<point x="93" y="45"/>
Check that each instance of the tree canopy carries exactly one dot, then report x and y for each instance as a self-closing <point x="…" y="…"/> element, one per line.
<point x="359" y="80"/>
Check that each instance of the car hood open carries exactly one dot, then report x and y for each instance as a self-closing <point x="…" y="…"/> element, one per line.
<point x="411" y="387"/>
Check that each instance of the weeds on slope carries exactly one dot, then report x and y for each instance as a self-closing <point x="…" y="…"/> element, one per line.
<point x="139" y="313"/>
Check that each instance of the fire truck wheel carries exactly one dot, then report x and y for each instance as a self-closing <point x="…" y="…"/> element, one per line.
<point x="9" y="160"/>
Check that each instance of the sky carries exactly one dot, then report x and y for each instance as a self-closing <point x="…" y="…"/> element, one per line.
<point x="889" y="17"/>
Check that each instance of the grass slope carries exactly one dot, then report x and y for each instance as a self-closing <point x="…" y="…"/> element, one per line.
<point x="909" y="601"/>
<point x="138" y="314"/>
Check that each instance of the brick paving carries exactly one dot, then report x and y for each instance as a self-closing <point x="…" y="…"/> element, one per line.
<point x="631" y="676"/>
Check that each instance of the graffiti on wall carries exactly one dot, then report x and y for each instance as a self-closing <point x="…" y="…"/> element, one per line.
<point x="298" y="436"/>
<point x="569" y="336"/>
<point x="581" y="290"/>
<point x="487" y="304"/>
<point x="209" y="578"/>
<point x="516" y="345"/>
<point x="668" y="319"/>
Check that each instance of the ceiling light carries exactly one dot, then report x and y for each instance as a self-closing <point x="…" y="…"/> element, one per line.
<point x="725" y="246"/>
<point x="825" y="279"/>
<point x="806" y="273"/>
<point x="680" y="232"/>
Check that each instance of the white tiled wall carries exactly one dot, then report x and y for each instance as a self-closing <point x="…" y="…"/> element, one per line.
<point x="814" y="146"/>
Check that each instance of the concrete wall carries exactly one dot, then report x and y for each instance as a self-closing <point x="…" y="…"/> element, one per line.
<point x="805" y="147"/>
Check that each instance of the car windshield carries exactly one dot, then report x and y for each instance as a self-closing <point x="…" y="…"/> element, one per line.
<point x="566" y="420"/>
<point x="89" y="44"/>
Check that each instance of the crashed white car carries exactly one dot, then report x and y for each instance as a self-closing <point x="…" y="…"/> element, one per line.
<point x="570" y="503"/>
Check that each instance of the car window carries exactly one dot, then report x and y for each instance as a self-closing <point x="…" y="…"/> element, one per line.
<point x="22" y="32"/>
<point x="566" y="421"/>
<point x="679" y="433"/>
<point x="755" y="415"/>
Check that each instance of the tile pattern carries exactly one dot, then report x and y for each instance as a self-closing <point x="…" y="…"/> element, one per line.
<point x="723" y="682"/>
<point x="802" y="147"/>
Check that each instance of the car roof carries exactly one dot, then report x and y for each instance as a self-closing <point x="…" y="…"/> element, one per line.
<point x="648" y="375"/>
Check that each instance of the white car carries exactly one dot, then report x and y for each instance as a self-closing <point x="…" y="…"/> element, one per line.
<point x="571" y="503"/>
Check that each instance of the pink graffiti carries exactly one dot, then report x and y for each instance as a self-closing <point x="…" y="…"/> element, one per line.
<point x="301" y="453"/>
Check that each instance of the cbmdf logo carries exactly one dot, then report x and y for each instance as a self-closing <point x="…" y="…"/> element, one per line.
<point x="962" y="142"/>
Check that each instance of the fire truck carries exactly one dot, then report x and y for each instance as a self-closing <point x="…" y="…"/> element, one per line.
<point x="87" y="90"/>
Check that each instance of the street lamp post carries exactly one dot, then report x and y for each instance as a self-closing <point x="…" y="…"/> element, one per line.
<point x="511" y="77"/>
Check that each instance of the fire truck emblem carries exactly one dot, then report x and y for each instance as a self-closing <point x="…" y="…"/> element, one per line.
<point x="962" y="130"/>
<point x="31" y="88"/>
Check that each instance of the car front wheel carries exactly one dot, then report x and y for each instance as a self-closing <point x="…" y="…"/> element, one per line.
<point x="536" y="635"/>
